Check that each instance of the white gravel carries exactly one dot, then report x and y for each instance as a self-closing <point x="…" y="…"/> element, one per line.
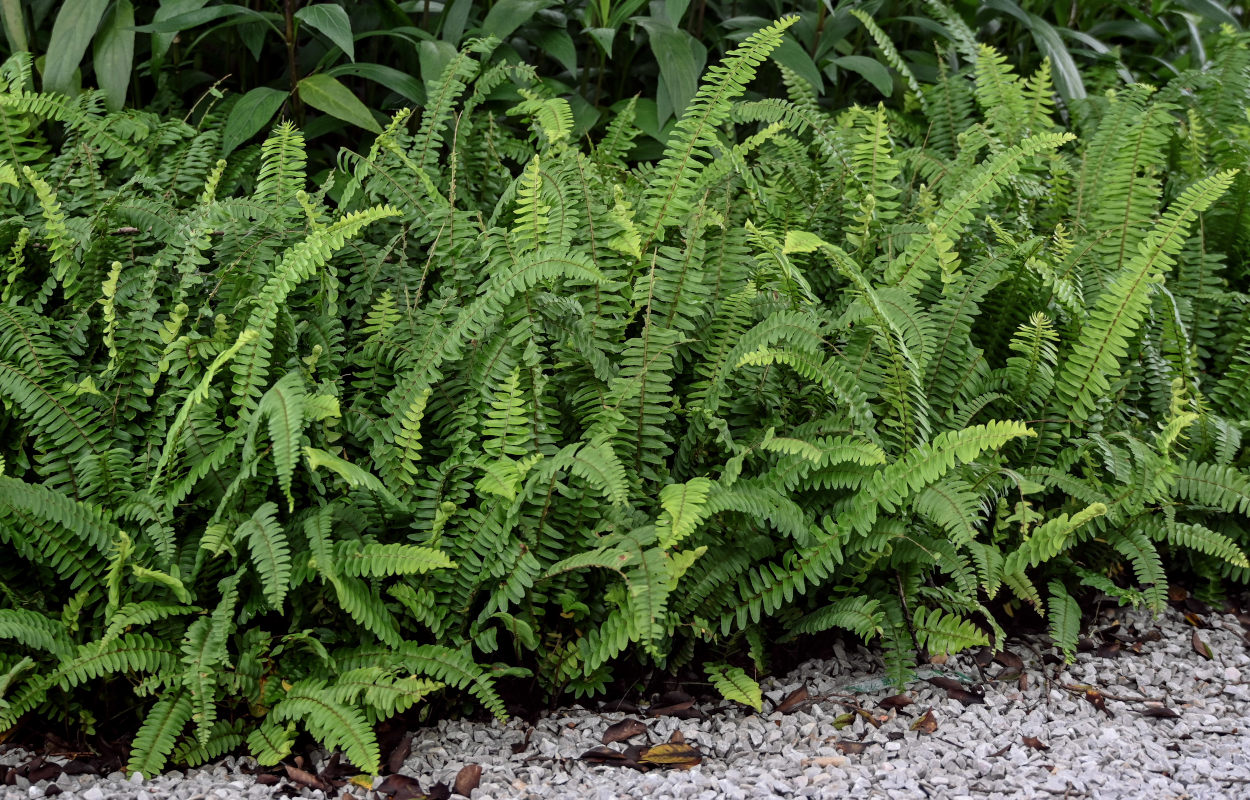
<point x="975" y="752"/>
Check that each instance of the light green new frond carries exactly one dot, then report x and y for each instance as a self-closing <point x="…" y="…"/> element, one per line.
<point x="282" y="162"/>
<point x="133" y="652"/>
<point x="735" y="684"/>
<point x="283" y="407"/>
<point x="1134" y="545"/>
<point x="505" y="430"/>
<point x="1204" y="540"/>
<point x="930" y="461"/>
<point x="951" y="505"/>
<point x="684" y="508"/>
<point x="598" y="464"/>
<point x="298" y="264"/>
<point x="363" y="604"/>
<point x="1049" y="539"/>
<point x="384" y="560"/>
<point x="916" y="263"/>
<point x="943" y="633"/>
<point x="353" y="475"/>
<point x="1216" y="485"/>
<point x="859" y="615"/>
<point x="454" y="668"/>
<point x="334" y="724"/>
<point x="159" y="733"/>
<point x="408" y="437"/>
<point x="271" y="554"/>
<point x="1085" y="377"/>
<point x="61" y="244"/>
<point x="532" y="212"/>
<point x="1065" y="620"/>
<point x="1032" y="372"/>
<point x="670" y="191"/>
<point x="829" y="373"/>
<point x="270" y="742"/>
<point x="890" y="53"/>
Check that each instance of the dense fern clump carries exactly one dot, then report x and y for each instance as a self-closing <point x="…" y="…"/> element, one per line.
<point x="287" y="455"/>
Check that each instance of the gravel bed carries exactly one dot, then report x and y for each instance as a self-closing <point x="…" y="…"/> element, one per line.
<point x="936" y="747"/>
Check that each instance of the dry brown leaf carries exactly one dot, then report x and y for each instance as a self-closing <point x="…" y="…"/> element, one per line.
<point x="1034" y="742"/>
<point x="1201" y="648"/>
<point x="467" y="779"/>
<point x="1159" y="712"/>
<point x="304" y="778"/>
<point x="965" y="697"/>
<point x="400" y="754"/>
<point x="850" y="748"/>
<point x="672" y="754"/>
<point x="678" y="737"/>
<point x="605" y="755"/>
<point x="400" y="787"/>
<point x="1009" y="660"/>
<point x="926" y="724"/>
<point x="1096" y="699"/>
<point x="793" y="700"/>
<point x="895" y="701"/>
<point x="624" y="730"/>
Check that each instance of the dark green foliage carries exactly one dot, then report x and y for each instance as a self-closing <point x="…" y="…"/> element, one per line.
<point x="324" y="449"/>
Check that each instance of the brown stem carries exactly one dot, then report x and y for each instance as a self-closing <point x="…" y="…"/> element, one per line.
<point x="297" y="107"/>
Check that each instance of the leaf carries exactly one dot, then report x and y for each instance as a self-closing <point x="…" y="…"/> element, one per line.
<point x="672" y="754"/>
<point x="793" y="700"/>
<point x="73" y="29"/>
<point x="1200" y="647"/>
<point x="467" y="779"/>
<point x="792" y="55"/>
<point x="926" y="723"/>
<point x="331" y="20"/>
<point x="1159" y="712"/>
<point x="325" y="93"/>
<point x="507" y="15"/>
<point x="734" y="684"/>
<point x="625" y="729"/>
<point x="114" y="53"/>
<point x="895" y="701"/>
<point x="168" y="9"/>
<point x="871" y="70"/>
<point x="250" y="113"/>
<point x="401" y="83"/>
<point x="680" y="58"/>
<point x="401" y="787"/>
<point x="1034" y="742"/>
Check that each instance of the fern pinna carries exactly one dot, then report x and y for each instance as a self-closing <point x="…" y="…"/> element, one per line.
<point x="325" y="450"/>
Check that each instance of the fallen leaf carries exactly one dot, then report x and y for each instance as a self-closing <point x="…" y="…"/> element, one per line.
<point x="623" y="730"/>
<point x="983" y="657"/>
<point x="850" y="748"/>
<point x="965" y="697"/>
<point x="400" y="787"/>
<point x="523" y="745"/>
<point x="873" y="721"/>
<point x="1202" y="648"/>
<point x="943" y="682"/>
<point x="1022" y="683"/>
<point x="678" y="737"/>
<point x="793" y="700"/>
<point x="605" y="755"/>
<point x="672" y="754"/>
<point x="1085" y="645"/>
<point x="1177" y="594"/>
<point x="895" y="701"/>
<point x="269" y="779"/>
<point x="620" y="705"/>
<point x="1195" y="620"/>
<point x="467" y="779"/>
<point x="824" y="761"/>
<point x="1009" y="660"/>
<point x="363" y="781"/>
<point x="1001" y="751"/>
<point x="1108" y="650"/>
<point x="1096" y="699"/>
<point x="305" y="778"/>
<point x="400" y="754"/>
<point x="1034" y="742"/>
<point x="1197" y="606"/>
<point x="1159" y="712"/>
<point x="674" y="704"/>
<point x="439" y="791"/>
<point x="926" y="724"/>
<point x="843" y="720"/>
